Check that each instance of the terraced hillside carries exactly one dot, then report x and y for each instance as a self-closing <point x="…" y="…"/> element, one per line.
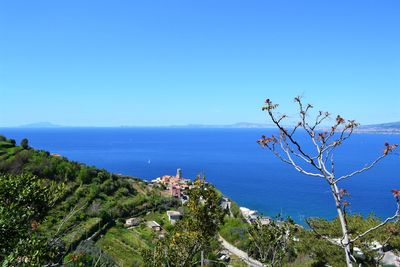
<point x="89" y="208"/>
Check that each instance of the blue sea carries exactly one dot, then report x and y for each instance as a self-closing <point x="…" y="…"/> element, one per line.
<point x="233" y="161"/>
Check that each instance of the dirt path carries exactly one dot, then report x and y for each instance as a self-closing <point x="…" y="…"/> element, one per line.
<point x="240" y="253"/>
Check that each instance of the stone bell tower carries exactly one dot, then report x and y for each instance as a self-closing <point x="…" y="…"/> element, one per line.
<point x="179" y="173"/>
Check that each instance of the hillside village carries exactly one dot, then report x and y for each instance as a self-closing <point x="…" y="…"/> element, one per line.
<point x="175" y="186"/>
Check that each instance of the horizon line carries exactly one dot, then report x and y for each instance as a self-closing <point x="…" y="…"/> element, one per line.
<point x="49" y="125"/>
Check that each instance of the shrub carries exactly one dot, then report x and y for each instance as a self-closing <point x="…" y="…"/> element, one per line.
<point x="25" y="143"/>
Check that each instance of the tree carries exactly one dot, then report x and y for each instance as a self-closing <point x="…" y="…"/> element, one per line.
<point x="326" y="253"/>
<point x="25" y="143"/>
<point x="195" y="233"/>
<point x="320" y="162"/>
<point x="12" y="142"/>
<point x="24" y="200"/>
<point x="84" y="175"/>
<point x="272" y="243"/>
<point x="204" y="209"/>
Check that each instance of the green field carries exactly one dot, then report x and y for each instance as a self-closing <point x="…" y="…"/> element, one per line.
<point x="125" y="245"/>
<point x="82" y="231"/>
<point x="235" y="231"/>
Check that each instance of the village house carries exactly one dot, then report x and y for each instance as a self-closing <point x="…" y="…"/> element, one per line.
<point x="225" y="204"/>
<point x="174" y="216"/>
<point x="248" y="214"/>
<point x="132" y="222"/>
<point x="265" y="220"/>
<point x="184" y="187"/>
<point x="153" y="225"/>
<point x="175" y="191"/>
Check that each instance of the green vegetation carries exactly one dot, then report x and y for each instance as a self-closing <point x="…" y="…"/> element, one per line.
<point x="236" y="231"/>
<point x="272" y="243"/>
<point x="82" y="230"/>
<point x="24" y="200"/>
<point x="55" y="211"/>
<point x="24" y="143"/>
<point x="49" y="202"/>
<point x="125" y="245"/>
<point x="235" y="228"/>
<point x="323" y="252"/>
<point x="196" y="233"/>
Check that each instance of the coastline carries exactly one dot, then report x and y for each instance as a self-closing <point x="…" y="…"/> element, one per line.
<point x="371" y="130"/>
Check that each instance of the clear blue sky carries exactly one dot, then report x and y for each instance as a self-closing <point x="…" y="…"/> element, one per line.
<point x="110" y="63"/>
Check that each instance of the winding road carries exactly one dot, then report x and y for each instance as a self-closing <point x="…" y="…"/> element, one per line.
<point x="240" y="253"/>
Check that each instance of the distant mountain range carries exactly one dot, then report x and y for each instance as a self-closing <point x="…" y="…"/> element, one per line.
<point x="386" y="128"/>
<point x="389" y="125"/>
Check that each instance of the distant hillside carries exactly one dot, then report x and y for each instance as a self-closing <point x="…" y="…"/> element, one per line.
<point x="93" y="202"/>
<point x="389" y="125"/>
<point x="386" y="128"/>
<point x="86" y="223"/>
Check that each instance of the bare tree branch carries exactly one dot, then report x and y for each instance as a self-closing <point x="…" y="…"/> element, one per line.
<point x="361" y="170"/>
<point x="292" y="152"/>
<point x="395" y="216"/>
<point x="330" y="240"/>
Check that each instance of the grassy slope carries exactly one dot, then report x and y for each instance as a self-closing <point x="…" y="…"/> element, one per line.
<point x="90" y="200"/>
<point x="93" y="199"/>
<point x="124" y="245"/>
<point x="235" y="229"/>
